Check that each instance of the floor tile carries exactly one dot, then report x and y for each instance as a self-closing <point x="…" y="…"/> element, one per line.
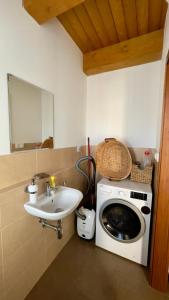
<point x="83" y="271"/>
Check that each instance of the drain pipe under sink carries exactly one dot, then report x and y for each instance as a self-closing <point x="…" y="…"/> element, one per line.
<point x="57" y="228"/>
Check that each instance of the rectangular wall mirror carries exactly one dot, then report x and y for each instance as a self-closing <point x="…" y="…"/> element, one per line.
<point x="31" y="111"/>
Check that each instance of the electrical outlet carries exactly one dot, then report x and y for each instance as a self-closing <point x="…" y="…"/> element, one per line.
<point x="156" y="156"/>
<point x="78" y="148"/>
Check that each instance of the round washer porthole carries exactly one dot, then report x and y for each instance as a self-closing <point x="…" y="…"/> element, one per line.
<point x="122" y="221"/>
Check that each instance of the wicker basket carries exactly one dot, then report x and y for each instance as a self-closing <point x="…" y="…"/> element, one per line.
<point x="113" y="160"/>
<point x="144" y="176"/>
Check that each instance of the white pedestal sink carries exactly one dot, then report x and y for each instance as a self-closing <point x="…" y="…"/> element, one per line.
<point x="57" y="206"/>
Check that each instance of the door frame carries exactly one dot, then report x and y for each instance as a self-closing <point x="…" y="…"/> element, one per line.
<point x="160" y="245"/>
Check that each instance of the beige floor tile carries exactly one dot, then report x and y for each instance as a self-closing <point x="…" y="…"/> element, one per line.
<point x="83" y="271"/>
<point x="17" y="167"/>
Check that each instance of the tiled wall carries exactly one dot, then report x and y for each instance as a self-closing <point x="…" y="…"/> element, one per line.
<point x="26" y="249"/>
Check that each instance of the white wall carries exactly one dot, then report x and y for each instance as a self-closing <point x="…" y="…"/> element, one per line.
<point x="162" y="78"/>
<point x="47" y="57"/>
<point x="124" y="104"/>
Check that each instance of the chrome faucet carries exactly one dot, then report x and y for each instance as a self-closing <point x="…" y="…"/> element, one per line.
<point x="50" y="190"/>
<point x="40" y="176"/>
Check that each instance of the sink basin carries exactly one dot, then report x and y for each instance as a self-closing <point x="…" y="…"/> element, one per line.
<point x="57" y="206"/>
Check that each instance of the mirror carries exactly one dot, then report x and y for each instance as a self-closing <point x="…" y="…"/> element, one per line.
<point x="31" y="115"/>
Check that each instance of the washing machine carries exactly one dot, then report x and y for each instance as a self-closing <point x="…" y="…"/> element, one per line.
<point x="123" y="218"/>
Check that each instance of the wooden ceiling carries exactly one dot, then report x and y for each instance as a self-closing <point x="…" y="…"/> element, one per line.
<point x="44" y="10"/>
<point x="103" y="27"/>
<point x="99" y="23"/>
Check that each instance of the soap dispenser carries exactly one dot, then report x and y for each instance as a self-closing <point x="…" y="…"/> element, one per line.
<point x="32" y="190"/>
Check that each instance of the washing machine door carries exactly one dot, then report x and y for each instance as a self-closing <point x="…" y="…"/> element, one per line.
<point x="122" y="220"/>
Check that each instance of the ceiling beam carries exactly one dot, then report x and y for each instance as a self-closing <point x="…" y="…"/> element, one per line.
<point x="135" y="51"/>
<point x="43" y="10"/>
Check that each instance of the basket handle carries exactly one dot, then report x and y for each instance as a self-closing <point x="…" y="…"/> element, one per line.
<point x="109" y="140"/>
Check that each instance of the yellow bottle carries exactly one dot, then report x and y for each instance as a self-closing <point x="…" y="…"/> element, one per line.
<point x="52" y="181"/>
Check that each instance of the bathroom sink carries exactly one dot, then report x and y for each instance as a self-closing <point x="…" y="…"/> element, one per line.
<point x="57" y="206"/>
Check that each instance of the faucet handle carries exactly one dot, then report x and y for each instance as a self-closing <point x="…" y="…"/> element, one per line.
<point x="47" y="184"/>
<point x="39" y="176"/>
<point x="48" y="189"/>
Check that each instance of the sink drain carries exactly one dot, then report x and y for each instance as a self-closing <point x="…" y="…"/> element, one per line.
<point x="57" y="227"/>
<point x="57" y="210"/>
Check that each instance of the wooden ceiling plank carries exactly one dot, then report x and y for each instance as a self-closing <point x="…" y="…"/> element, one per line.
<point x="67" y="24"/>
<point x="119" y="20"/>
<point x="97" y="22"/>
<point x="143" y="49"/>
<point x="155" y="8"/>
<point x="106" y="15"/>
<point x="163" y="14"/>
<point x="131" y="17"/>
<point x="82" y="14"/>
<point x="44" y="10"/>
<point x="142" y="16"/>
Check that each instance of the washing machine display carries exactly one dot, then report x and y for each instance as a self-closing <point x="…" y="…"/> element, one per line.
<point x="122" y="220"/>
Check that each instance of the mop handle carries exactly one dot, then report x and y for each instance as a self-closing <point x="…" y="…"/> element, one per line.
<point x="89" y="162"/>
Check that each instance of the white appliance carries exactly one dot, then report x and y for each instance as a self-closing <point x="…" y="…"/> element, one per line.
<point x="86" y="227"/>
<point x="123" y="218"/>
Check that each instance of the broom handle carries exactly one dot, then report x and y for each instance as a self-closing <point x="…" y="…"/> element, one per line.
<point x="89" y="162"/>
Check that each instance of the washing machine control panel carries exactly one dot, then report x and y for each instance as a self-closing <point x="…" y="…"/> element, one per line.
<point x="138" y="196"/>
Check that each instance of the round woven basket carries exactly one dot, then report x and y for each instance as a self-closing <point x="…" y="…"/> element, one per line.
<point x="113" y="160"/>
